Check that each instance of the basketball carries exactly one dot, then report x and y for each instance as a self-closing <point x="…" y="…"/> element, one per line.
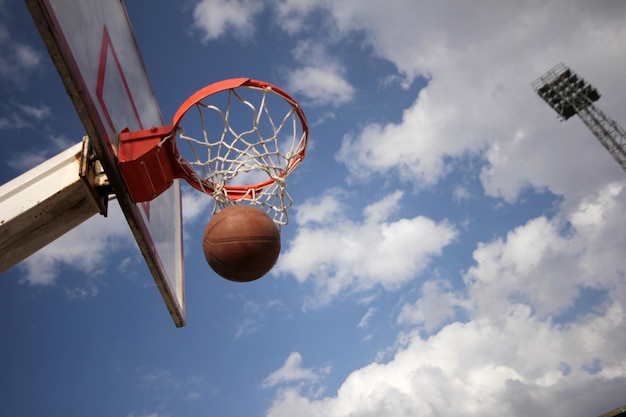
<point x="241" y="243"/>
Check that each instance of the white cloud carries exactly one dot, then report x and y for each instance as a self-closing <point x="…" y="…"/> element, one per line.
<point x="247" y="326"/>
<point x="256" y="316"/>
<point x="27" y="57"/>
<point x="480" y="60"/>
<point x="218" y="17"/>
<point x="319" y="76"/>
<point x="321" y="86"/>
<point x="382" y="209"/>
<point x="514" y="353"/>
<point x="195" y="204"/>
<point x="292" y="372"/>
<point x="436" y="304"/>
<point x="507" y="359"/>
<point x="460" y="193"/>
<point x="484" y="367"/>
<point x="413" y="149"/>
<point x="343" y="256"/>
<point x="87" y="290"/>
<point x="13" y="121"/>
<point x="24" y="161"/>
<point x="366" y="318"/>
<point x="86" y="248"/>
<point x="321" y="210"/>
<point x="17" y="59"/>
<point x="546" y="262"/>
<point x="292" y="14"/>
<point x="35" y="112"/>
<point x="16" y="119"/>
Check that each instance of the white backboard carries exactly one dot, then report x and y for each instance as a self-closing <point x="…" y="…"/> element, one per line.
<point x="94" y="49"/>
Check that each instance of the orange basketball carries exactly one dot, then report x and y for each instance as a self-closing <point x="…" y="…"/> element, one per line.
<point x="241" y="243"/>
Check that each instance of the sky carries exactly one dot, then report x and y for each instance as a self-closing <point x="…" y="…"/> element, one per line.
<point x="453" y="248"/>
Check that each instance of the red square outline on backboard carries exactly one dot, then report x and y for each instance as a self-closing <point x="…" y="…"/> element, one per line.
<point x="106" y="46"/>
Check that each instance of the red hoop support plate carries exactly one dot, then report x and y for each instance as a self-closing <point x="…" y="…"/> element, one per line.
<point x="148" y="157"/>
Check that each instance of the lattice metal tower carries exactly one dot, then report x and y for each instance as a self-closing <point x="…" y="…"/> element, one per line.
<point x="568" y="94"/>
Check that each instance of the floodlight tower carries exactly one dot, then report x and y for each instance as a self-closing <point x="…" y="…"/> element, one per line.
<point x="568" y="94"/>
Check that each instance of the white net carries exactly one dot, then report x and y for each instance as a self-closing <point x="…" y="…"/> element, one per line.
<point x="237" y="152"/>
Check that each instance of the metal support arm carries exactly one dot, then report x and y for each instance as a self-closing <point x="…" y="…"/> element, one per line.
<point x="51" y="199"/>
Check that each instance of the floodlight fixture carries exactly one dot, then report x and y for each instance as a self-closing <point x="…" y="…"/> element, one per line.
<point x="569" y="94"/>
<point x="565" y="91"/>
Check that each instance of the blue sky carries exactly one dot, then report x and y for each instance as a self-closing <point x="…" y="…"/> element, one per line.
<point x="453" y="248"/>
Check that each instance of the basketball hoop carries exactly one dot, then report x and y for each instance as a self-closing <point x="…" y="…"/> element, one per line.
<point x="231" y="147"/>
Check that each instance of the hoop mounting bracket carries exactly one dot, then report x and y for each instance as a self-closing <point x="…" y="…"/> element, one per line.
<point x="90" y="170"/>
<point x="145" y="159"/>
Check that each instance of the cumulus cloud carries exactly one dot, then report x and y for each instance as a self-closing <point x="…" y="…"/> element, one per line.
<point x="321" y="210"/>
<point x="320" y="76"/>
<point x="218" y="17"/>
<point x="24" y="161"/>
<point x="24" y="117"/>
<point x="340" y="255"/>
<point x="436" y="304"/>
<point x="37" y="112"/>
<point x="194" y="204"/>
<point x="518" y="346"/>
<point x="322" y="86"/>
<point x="483" y="367"/>
<point x="292" y="376"/>
<point x="17" y="59"/>
<point x="479" y="61"/>
<point x="292" y="14"/>
<point x="26" y="56"/>
<point x="87" y="248"/>
<point x="291" y="371"/>
<point x="413" y="149"/>
<point x="256" y="316"/>
<point x="546" y="262"/>
<point x="512" y="351"/>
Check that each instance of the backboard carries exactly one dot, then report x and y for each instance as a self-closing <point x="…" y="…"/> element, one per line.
<point x="92" y="44"/>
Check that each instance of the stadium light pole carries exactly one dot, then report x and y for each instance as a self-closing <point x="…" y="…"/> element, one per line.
<point x="569" y="94"/>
